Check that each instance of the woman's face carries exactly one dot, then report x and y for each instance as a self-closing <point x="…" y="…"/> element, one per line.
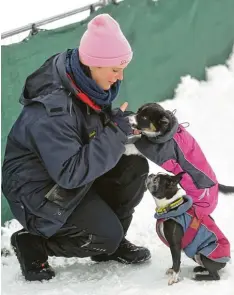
<point x="106" y="76"/>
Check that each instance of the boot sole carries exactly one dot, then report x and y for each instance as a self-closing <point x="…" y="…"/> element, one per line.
<point x="123" y="261"/>
<point x="136" y="261"/>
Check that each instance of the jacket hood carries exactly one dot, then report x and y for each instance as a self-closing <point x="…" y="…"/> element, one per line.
<point x="42" y="82"/>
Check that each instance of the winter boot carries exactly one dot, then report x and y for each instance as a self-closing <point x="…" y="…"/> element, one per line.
<point x="32" y="256"/>
<point x="127" y="253"/>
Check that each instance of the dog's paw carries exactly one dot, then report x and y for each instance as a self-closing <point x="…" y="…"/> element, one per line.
<point x="174" y="278"/>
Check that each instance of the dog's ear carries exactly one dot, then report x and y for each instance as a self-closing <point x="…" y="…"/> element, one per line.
<point x="177" y="178"/>
<point x="144" y="106"/>
<point x="165" y="120"/>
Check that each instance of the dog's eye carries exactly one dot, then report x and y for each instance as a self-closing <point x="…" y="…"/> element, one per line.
<point x="144" y="118"/>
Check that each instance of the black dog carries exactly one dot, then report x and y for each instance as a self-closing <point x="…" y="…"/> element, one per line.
<point x="172" y="209"/>
<point x="159" y="126"/>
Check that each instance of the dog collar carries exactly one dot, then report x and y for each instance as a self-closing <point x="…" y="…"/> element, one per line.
<point x="167" y="208"/>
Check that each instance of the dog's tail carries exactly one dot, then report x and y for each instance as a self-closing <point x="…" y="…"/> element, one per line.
<point x="225" y="189"/>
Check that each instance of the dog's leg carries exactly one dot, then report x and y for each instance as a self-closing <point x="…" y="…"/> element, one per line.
<point x="212" y="267"/>
<point x="173" y="233"/>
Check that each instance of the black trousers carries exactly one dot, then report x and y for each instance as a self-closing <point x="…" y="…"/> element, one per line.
<point x="102" y="219"/>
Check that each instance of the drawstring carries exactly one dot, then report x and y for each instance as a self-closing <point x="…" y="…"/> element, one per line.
<point x="185" y="124"/>
<point x="88" y="109"/>
<point x="207" y="205"/>
<point x="70" y="108"/>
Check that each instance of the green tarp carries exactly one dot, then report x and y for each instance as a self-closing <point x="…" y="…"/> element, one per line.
<point x="170" y="38"/>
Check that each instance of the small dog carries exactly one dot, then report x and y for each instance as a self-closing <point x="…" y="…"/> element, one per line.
<point x="179" y="228"/>
<point x="151" y="119"/>
<point x="166" y="143"/>
<point x="146" y="119"/>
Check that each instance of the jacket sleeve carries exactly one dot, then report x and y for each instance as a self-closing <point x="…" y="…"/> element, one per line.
<point x="70" y="163"/>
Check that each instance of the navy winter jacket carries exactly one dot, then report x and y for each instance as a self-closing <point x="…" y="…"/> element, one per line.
<point x="57" y="139"/>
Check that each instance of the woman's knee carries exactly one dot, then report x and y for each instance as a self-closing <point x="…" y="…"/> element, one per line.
<point x="137" y="169"/>
<point x="141" y="164"/>
<point x="136" y="164"/>
<point x="84" y="244"/>
<point x="105" y="241"/>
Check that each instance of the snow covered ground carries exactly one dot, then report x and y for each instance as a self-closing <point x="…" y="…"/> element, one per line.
<point x="209" y="108"/>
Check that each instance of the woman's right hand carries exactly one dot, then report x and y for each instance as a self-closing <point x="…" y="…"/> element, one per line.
<point x="120" y="120"/>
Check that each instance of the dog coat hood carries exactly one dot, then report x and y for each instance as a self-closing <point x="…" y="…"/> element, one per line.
<point x="207" y="239"/>
<point x="178" y="151"/>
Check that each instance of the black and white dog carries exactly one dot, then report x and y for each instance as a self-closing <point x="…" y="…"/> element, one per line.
<point x="174" y="213"/>
<point x="146" y="119"/>
<point x="153" y="121"/>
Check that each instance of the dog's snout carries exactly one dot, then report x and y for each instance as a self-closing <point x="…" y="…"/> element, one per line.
<point x="152" y="183"/>
<point x="150" y="179"/>
<point x="132" y="120"/>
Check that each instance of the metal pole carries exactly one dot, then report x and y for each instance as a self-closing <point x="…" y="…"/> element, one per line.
<point x="49" y="20"/>
<point x="105" y="2"/>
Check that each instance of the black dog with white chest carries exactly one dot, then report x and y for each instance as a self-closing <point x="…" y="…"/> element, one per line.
<point x="180" y="229"/>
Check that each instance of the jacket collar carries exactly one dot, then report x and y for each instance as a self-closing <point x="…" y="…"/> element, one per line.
<point x="69" y="84"/>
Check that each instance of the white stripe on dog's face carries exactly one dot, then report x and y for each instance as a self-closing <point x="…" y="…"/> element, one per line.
<point x="152" y="183"/>
<point x="132" y="120"/>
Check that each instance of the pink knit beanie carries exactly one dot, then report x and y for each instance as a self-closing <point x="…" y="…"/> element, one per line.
<point x="103" y="44"/>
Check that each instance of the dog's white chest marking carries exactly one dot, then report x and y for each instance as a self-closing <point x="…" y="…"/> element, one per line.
<point x="160" y="203"/>
<point x="131" y="150"/>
